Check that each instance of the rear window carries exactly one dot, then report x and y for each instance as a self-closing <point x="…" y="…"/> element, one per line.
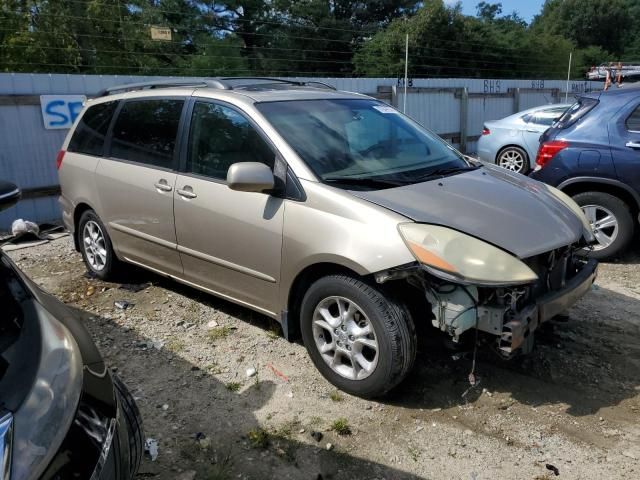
<point x="89" y="135"/>
<point x="576" y="111"/>
<point x="145" y="131"/>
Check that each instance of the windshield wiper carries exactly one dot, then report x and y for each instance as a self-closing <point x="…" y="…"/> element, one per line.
<point x="443" y="172"/>
<point x="363" y="181"/>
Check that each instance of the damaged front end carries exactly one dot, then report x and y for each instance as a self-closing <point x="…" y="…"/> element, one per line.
<point x="509" y="314"/>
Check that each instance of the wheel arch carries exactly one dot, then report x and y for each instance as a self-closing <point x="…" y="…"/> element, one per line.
<point x="77" y="213"/>
<point x="574" y="186"/>
<point x="512" y="145"/>
<point x="301" y="283"/>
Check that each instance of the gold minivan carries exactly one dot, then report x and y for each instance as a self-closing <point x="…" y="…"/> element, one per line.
<point x="329" y="211"/>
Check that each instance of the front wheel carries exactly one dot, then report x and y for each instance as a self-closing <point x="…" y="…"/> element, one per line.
<point x="360" y="339"/>
<point x="611" y="221"/>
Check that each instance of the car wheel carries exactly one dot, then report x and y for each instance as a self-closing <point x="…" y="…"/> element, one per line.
<point x="133" y="422"/>
<point x="514" y="159"/>
<point x="95" y="247"/>
<point x="360" y="339"/>
<point x="611" y="221"/>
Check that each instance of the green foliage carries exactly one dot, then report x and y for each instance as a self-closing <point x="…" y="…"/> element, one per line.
<point x="341" y="427"/>
<point x="314" y="37"/>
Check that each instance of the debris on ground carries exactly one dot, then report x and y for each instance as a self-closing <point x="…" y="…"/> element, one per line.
<point x="151" y="448"/>
<point x="553" y="468"/>
<point x="251" y="371"/>
<point x="317" y="436"/>
<point x="122" y="304"/>
<point x="278" y="373"/>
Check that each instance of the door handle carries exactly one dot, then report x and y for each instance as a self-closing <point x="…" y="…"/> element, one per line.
<point x="163" y="186"/>
<point x="186" y="192"/>
<point x="633" y="145"/>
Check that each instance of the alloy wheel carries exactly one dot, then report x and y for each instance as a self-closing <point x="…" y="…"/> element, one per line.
<point x="345" y="338"/>
<point x="94" y="246"/>
<point x="512" y="160"/>
<point x="604" y="224"/>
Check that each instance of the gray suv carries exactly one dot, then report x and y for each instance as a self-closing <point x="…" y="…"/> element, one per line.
<point x="328" y="211"/>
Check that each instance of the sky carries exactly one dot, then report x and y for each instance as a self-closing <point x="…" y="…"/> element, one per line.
<point x="525" y="8"/>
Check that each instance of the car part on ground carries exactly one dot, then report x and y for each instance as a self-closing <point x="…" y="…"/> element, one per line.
<point x="329" y="211"/>
<point x="592" y="153"/>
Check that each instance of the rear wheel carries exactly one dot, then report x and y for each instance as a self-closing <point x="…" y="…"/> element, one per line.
<point x="514" y="159"/>
<point x="360" y="339"/>
<point x="96" y="247"/>
<point x="611" y="221"/>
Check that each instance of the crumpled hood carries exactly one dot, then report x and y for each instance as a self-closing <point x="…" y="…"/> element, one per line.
<point x="508" y="210"/>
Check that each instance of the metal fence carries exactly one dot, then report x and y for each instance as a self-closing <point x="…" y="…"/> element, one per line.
<point x="454" y="108"/>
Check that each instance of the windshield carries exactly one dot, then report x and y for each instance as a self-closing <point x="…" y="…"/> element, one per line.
<point x="361" y="143"/>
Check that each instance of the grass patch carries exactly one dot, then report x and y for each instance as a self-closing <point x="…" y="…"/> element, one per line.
<point x="335" y="396"/>
<point x="414" y="453"/>
<point x="258" y="438"/>
<point x="233" y="386"/>
<point x="220" y="470"/>
<point x="175" y="346"/>
<point x="315" y="421"/>
<point x="341" y="427"/>
<point x="274" y="331"/>
<point x="218" y="333"/>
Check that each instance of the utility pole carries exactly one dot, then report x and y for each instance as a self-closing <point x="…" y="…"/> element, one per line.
<point x="406" y="73"/>
<point x="566" y="93"/>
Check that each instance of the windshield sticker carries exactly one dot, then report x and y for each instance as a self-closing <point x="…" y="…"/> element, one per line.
<point x="385" y="109"/>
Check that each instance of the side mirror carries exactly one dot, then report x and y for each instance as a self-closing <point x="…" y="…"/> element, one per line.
<point x="250" y="177"/>
<point x="9" y="195"/>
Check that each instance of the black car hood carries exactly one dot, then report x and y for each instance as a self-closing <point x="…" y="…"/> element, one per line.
<point x="508" y="210"/>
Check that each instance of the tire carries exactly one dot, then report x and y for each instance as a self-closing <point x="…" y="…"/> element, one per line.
<point x="133" y="422"/>
<point x="605" y="204"/>
<point x="104" y="269"/>
<point x="392" y="330"/>
<point x="514" y="159"/>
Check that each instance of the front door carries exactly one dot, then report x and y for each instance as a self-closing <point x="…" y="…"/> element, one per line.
<point x="136" y="181"/>
<point x="230" y="242"/>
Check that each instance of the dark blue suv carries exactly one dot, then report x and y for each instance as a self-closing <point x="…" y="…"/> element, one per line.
<point x="592" y="153"/>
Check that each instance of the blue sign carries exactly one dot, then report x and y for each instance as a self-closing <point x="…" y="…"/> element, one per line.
<point x="60" y="111"/>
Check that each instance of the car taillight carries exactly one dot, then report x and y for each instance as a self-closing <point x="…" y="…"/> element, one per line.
<point x="485" y="131"/>
<point x="59" y="159"/>
<point x="548" y="150"/>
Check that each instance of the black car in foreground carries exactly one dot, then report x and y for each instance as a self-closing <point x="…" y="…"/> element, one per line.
<point x="63" y="415"/>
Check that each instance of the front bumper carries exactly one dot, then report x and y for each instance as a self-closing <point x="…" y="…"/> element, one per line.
<point x="527" y="320"/>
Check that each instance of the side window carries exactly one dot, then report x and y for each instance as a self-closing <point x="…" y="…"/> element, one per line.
<point x="633" y="122"/>
<point x="89" y="135"/>
<point x="220" y="137"/>
<point x="145" y="131"/>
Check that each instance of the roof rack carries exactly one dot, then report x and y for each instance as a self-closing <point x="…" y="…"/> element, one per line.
<point x="298" y="83"/>
<point x="153" y="84"/>
<point x="219" y="83"/>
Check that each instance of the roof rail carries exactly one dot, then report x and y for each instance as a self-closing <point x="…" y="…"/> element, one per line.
<point x="299" y="83"/>
<point x="153" y="84"/>
<point x="219" y="83"/>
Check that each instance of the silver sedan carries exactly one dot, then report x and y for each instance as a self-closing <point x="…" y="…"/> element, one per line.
<point x="512" y="142"/>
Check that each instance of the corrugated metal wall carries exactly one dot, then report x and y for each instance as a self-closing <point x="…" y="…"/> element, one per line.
<point x="28" y="152"/>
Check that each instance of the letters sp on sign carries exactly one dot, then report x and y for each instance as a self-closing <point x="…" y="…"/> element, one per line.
<point x="60" y="111"/>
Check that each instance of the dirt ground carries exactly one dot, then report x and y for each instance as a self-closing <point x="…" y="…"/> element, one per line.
<point x="573" y="405"/>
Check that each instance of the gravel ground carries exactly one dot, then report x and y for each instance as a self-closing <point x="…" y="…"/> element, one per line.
<point x="574" y="404"/>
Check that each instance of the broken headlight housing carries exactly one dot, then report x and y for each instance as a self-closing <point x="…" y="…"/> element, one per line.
<point x="457" y="257"/>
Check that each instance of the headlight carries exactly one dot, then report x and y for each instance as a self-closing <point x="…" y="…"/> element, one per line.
<point x="43" y="420"/>
<point x="575" y="208"/>
<point x="452" y="255"/>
